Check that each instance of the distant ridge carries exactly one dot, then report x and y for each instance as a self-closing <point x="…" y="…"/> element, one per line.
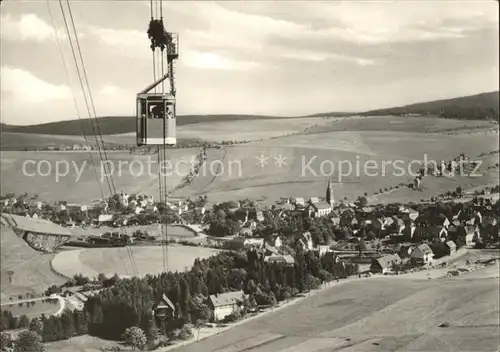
<point x="122" y="124"/>
<point x="473" y="107"/>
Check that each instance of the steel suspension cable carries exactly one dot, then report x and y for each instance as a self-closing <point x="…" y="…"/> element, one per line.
<point x="109" y="177"/>
<point x="77" y="110"/>
<point x="80" y="79"/>
<point x="88" y="85"/>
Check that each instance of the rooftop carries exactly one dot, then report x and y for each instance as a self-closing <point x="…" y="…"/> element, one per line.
<point x="225" y="299"/>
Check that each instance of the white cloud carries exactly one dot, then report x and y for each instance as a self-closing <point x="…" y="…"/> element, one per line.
<point x="316" y="56"/>
<point x="203" y="60"/>
<point x="27" y="27"/>
<point x="25" y="87"/>
<point x="359" y="22"/>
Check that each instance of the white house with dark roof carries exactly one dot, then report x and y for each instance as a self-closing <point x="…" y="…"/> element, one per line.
<point x="225" y="304"/>
<point x="422" y="254"/>
<point x="385" y="263"/>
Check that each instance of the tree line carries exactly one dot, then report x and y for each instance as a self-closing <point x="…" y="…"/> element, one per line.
<point x="130" y="302"/>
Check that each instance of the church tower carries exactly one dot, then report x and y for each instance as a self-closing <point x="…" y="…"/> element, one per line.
<point x="329" y="192"/>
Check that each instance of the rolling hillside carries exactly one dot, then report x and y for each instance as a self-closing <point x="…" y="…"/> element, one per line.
<point x="475" y="107"/>
<point x="30" y="269"/>
<point x="120" y="124"/>
<point x="479" y="107"/>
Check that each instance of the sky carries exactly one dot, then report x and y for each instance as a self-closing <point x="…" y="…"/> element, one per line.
<point x="256" y="57"/>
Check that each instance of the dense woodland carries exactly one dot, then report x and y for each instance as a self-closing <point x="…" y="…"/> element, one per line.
<point x="483" y="106"/>
<point x="129" y="302"/>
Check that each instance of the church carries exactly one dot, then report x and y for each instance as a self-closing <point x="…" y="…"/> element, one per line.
<point x="319" y="208"/>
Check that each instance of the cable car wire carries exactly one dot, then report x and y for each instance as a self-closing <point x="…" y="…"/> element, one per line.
<point x="91" y="109"/>
<point x="77" y="110"/>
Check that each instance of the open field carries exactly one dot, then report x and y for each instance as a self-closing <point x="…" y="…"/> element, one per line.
<point x="235" y="130"/>
<point x="131" y="173"/>
<point x="241" y="177"/>
<point x="231" y="172"/>
<point x="418" y="124"/>
<point x="149" y="260"/>
<point x="20" y="141"/>
<point x="31" y="269"/>
<point x="365" y="315"/>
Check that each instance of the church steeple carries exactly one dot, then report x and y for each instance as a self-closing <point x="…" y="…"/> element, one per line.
<point x="329" y="192"/>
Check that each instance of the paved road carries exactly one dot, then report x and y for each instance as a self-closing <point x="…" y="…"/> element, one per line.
<point x="383" y="314"/>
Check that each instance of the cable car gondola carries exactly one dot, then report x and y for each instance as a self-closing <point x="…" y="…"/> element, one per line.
<point x="156" y="119"/>
<point x="156" y="112"/>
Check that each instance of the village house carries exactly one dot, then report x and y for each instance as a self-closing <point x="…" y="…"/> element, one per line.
<point x="225" y="304"/>
<point x="431" y="233"/>
<point x="275" y="240"/>
<point x="241" y="242"/>
<point x="451" y="247"/>
<point x="123" y="199"/>
<point x="306" y="242"/>
<point x="407" y="214"/>
<point x="363" y="212"/>
<point x="323" y="249"/>
<point x="438" y="232"/>
<point x="164" y="308"/>
<point x="385" y="263"/>
<point x="36" y="206"/>
<point x="298" y="202"/>
<point x="284" y="259"/>
<point x="254" y="243"/>
<point x="76" y="207"/>
<point x="246" y="232"/>
<point x="422" y="254"/>
<point x="58" y="207"/>
<point x="314" y="200"/>
<point x="405" y="251"/>
<point x="106" y="219"/>
<point x="335" y="218"/>
<point x="471" y="233"/>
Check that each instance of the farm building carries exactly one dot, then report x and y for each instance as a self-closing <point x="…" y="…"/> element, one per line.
<point x="225" y="304"/>
<point x="423" y="254"/>
<point x="384" y="264"/>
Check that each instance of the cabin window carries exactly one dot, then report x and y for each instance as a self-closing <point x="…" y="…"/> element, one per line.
<point x="155" y="110"/>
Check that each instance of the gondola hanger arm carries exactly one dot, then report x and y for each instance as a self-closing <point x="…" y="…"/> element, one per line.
<point x="154" y="84"/>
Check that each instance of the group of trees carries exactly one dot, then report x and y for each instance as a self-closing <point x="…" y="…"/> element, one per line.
<point x="130" y="302"/>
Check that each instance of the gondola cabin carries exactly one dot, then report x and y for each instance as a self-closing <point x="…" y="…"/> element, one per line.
<point x="156" y="119"/>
